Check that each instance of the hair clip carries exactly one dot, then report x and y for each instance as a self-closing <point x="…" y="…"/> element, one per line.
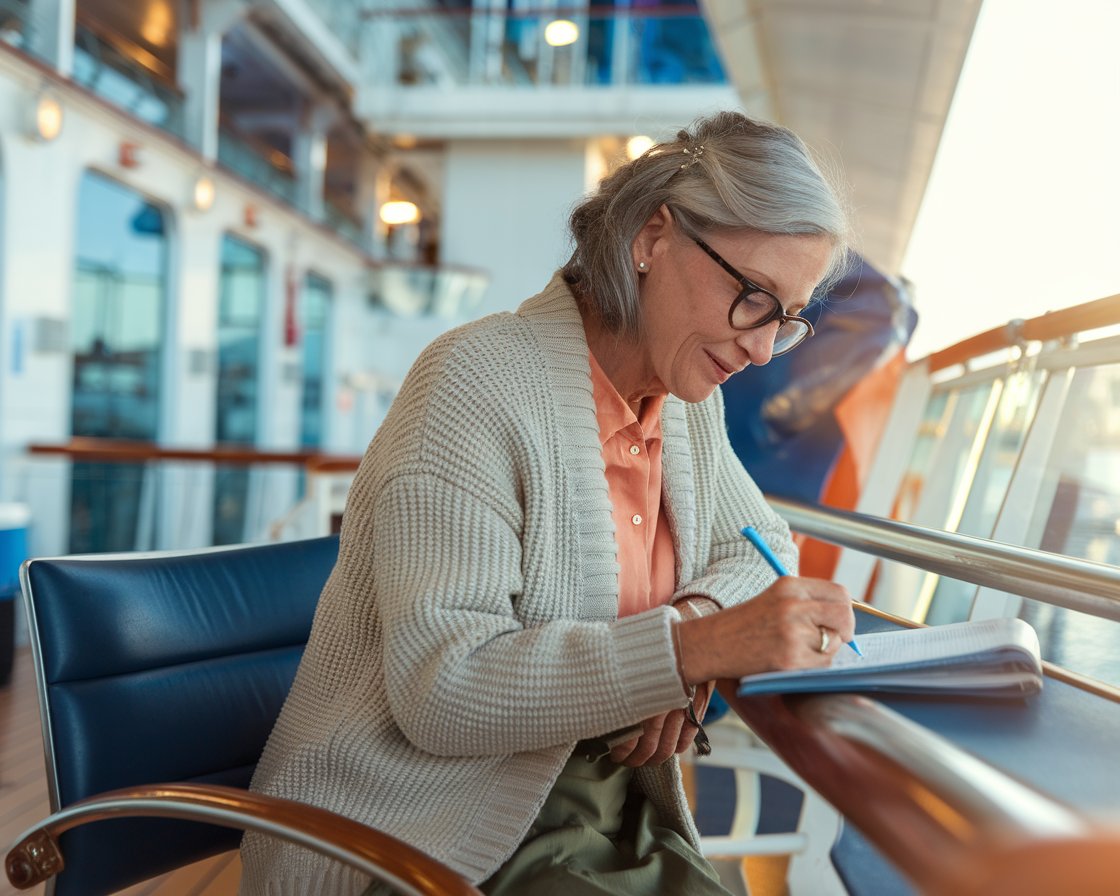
<point x="693" y="155"/>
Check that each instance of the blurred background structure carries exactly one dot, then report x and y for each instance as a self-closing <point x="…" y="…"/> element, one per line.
<point x="229" y="226"/>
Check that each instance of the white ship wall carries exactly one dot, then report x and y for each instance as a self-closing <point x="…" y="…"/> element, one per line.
<point x="505" y="207"/>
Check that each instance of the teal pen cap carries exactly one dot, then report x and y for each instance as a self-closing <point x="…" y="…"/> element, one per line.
<point x="768" y="555"/>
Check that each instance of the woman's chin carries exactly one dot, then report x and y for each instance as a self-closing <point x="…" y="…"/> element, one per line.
<point x="694" y="393"/>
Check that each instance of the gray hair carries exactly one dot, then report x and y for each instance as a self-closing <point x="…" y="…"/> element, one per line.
<point x="728" y="172"/>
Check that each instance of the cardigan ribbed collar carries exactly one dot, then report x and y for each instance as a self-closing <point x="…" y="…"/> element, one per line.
<point x="553" y="317"/>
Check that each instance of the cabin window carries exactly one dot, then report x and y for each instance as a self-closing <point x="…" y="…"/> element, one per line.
<point x="116" y="331"/>
<point x="314" y="315"/>
<point x="314" y="306"/>
<point x="241" y="298"/>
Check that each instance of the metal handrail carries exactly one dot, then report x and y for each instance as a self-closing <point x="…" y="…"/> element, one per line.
<point x="1054" y="579"/>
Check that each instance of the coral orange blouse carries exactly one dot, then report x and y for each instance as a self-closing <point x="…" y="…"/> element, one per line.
<point x="632" y="454"/>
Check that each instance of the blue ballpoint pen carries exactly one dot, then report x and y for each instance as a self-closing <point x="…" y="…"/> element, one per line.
<point x="754" y="538"/>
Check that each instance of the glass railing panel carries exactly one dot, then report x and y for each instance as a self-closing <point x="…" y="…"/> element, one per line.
<point x="503" y="47"/>
<point x="945" y="455"/>
<point x="939" y="475"/>
<point x="272" y="171"/>
<point x="343" y="19"/>
<point x="673" y="49"/>
<point x="415" y="289"/>
<point x="254" y="164"/>
<point x="110" y="74"/>
<point x="1018" y="402"/>
<point x="1078" y="515"/>
<point x="16" y="28"/>
<point x="344" y="224"/>
<point x="931" y="431"/>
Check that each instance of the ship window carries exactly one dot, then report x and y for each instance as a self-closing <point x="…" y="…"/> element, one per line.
<point x="241" y="297"/>
<point x="116" y="329"/>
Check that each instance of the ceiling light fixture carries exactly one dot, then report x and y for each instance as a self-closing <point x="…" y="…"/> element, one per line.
<point x="399" y="211"/>
<point x="561" y="32"/>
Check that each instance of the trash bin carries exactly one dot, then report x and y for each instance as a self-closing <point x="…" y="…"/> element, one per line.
<point x="13" y="551"/>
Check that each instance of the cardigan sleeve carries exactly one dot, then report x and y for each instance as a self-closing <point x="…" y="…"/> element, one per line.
<point x="464" y="676"/>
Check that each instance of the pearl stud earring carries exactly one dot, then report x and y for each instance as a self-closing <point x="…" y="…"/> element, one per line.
<point x="642" y="266"/>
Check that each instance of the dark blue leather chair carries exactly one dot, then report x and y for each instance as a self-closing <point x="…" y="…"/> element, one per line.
<point x="172" y="667"/>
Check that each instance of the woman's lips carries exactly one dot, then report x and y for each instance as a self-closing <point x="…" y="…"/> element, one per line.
<point x="723" y="373"/>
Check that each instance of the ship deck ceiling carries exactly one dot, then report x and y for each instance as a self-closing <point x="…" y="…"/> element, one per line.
<point x="868" y="83"/>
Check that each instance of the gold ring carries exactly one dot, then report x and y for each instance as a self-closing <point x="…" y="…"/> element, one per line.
<point x="824" y="639"/>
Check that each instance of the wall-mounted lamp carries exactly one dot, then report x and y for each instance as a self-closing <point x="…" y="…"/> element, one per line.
<point x="46" y="119"/>
<point x="561" y="32"/>
<point x="203" y="193"/>
<point x="399" y="211"/>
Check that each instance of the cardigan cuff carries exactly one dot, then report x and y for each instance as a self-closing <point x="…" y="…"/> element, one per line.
<point x="648" y="660"/>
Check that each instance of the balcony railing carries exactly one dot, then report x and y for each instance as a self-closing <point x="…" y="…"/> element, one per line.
<point x="667" y="45"/>
<point x="343" y="18"/>
<point x="103" y="67"/>
<point x="94" y="495"/>
<point x="410" y="290"/>
<point x="268" y="169"/>
<point x="16" y="27"/>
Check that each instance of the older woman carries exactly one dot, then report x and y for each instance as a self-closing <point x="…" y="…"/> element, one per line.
<point x="542" y="545"/>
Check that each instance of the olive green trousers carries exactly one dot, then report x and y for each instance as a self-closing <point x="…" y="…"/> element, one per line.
<point x="596" y="836"/>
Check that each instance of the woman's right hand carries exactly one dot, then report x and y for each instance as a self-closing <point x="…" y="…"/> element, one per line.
<point x="776" y="630"/>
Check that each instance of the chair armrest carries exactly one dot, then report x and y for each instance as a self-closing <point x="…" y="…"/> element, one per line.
<point x="36" y="856"/>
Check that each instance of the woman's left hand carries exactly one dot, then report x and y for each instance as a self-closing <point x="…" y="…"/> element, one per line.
<point x="663" y="735"/>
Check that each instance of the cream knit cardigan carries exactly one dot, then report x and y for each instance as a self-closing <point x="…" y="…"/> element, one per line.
<point x="467" y="637"/>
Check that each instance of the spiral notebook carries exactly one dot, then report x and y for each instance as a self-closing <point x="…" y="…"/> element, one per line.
<point x="990" y="657"/>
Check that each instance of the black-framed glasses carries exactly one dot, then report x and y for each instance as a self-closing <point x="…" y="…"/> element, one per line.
<point x="756" y="307"/>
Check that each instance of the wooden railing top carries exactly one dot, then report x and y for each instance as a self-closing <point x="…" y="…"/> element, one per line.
<point x="87" y="448"/>
<point x="1052" y="325"/>
<point x="950" y="822"/>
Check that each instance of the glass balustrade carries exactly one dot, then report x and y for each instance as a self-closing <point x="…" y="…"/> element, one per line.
<point x="343" y="19"/>
<point x="104" y="69"/>
<point x="647" y="45"/>
<point x="16" y="27"/>
<point x="414" y="289"/>
<point x="267" y="168"/>
<point x="1078" y="514"/>
<point x="1027" y="452"/>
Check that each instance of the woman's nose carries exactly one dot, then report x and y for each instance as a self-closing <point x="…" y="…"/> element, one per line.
<point x="759" y="343"/>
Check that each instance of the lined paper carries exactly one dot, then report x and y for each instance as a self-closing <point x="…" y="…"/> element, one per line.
<point x="987" y="656"/>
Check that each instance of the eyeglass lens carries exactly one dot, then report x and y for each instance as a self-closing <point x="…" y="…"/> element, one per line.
<point x="756" y="308"/>
<point x="791" y="333"/>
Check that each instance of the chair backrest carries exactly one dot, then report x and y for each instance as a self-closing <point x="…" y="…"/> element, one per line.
<point x="163" y="667"/>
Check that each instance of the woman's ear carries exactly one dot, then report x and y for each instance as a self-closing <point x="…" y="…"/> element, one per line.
<point x="652" y="239"/>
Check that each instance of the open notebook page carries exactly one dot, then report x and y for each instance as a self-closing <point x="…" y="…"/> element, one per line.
<point x="988" y="656"/>
<point x="929" y="645"/>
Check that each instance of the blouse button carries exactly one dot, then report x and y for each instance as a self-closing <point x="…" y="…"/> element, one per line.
<point x="634" y="449"/>
<point x="636" y="519"/>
